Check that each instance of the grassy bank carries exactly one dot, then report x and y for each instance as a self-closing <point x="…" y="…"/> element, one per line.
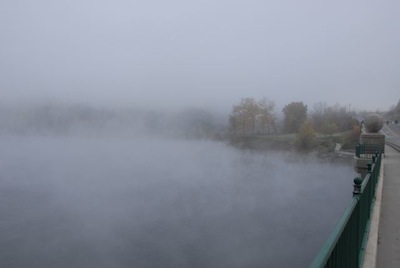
<point x="323" y="144"/>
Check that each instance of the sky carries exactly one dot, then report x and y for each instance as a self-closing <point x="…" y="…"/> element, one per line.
<point x="204" y="53"/>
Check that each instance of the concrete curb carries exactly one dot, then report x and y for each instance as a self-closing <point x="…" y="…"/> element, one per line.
<point x="371" y="251"/>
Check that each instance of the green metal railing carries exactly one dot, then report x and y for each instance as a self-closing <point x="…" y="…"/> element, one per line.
<point x="368" y="150"/>
<point x="345" y="246"/>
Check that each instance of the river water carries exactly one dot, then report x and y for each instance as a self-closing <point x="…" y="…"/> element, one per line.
<point x="80" y="202"/>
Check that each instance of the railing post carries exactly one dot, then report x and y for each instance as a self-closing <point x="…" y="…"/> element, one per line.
<point x="369" y="167"/>
<point x="357" y="186"/>
<point x="358" y="232"/>
<point x="358" y="150"/>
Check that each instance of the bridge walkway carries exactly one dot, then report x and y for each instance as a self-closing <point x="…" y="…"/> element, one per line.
<point x="388" y="244"/>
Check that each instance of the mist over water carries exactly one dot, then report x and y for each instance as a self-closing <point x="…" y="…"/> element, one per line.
<point x="80" y="202"/>
<point x="81" y="81"/>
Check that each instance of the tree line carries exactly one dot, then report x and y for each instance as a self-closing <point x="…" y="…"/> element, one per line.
<point x="251" y="117"/>
<point x="394" y="113"/>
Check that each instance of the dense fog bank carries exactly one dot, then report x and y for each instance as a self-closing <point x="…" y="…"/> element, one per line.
<point x="78" y="202"/>
<point x="56" y="119"/>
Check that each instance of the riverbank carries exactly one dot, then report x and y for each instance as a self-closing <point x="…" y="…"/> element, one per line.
<point x="329" y="148"/>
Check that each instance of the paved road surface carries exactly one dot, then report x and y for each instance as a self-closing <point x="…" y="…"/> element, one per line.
<point x="392" y="133"/>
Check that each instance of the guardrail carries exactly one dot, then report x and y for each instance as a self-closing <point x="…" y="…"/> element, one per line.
<point x="345" y="246"/>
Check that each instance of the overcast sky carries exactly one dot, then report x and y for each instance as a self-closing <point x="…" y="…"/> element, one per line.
<point x="206" y="53"/>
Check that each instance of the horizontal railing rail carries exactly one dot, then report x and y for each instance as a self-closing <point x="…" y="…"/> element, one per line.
<point x="345" y="247"/>
<point x="369" y="150"/>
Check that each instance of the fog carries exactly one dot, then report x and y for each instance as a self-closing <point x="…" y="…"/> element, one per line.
<point x="114" y="114"/>
<point x="208" y="54"/>
<point x="148" y="202"/>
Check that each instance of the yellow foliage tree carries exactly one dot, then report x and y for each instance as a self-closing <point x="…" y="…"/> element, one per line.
<point x="305" y="140"/>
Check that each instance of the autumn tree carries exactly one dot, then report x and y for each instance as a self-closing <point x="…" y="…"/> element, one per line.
<point x="243" y="117"/>
<point x="295" y="114"/>
<point x="251" y="117"/>
<point x="266" y="115"/>
<point x="318" y="114"/>
<point x="331" y="119"/>
<point x="305" y="140"/>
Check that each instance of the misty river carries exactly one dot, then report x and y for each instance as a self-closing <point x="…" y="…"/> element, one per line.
<point x="80" y="202"/>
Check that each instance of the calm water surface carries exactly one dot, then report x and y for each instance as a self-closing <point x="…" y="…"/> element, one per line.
<point x="79" y="202"/>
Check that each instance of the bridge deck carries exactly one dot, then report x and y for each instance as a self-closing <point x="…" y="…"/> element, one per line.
<point x="389" y="227"/>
